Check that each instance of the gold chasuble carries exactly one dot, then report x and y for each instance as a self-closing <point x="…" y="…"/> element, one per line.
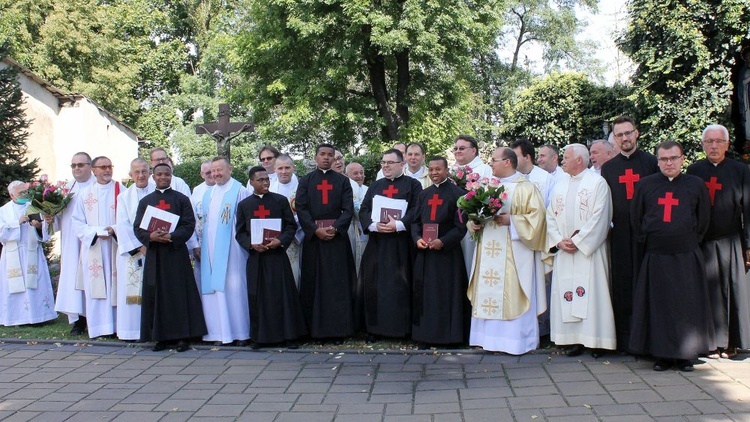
<point x="495" y="289"/>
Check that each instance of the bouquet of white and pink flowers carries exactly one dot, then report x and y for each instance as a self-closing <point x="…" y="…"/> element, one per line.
<point x="48" y="199"/>
<point x="484" y="199"/>
<point x="460" y="175"/>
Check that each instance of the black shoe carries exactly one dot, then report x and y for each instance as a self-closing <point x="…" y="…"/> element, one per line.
<point x="597" y="353"/>
<point x="79" y="328"/>
<point x="218" y="343"/>
<point x="576" y="350"/>
<point x="371" y="339"/>
<point x="292" y="345"/>
<point x="256" y="346"/>
<point x="182" y="346"/>
<point x="159" y="346"/>
<point x="684" y="365"/>
<point x="662" y="365"/>
<point x="337" y="342"/>
<point x="241" y="343"/>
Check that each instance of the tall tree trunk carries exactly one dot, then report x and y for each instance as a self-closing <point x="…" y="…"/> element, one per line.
<point x="402" y="87"/>
<point x="376" y="71"/>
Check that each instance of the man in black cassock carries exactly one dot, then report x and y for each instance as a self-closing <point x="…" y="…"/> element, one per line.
<point x="386" y="269"/>
<point x="670" y="214"/>
<point x="275" y="310"/>
<point x="325" y="209"/>
<point x="440" y="307"/>
<point x="171" y="307"/>
<point x="725" y="247"/>
<point x="622" y="174"/>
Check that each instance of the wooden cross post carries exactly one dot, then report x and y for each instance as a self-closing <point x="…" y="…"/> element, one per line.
<point x="222" y="130"/>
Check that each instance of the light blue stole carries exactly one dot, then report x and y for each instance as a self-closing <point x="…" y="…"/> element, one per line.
<point x="214" y="272"/>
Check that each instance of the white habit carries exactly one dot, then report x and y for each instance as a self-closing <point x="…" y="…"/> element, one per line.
<point x="70" y="300"/>
<point x="226" y="312"/>
<point x="197" y="200"/>
<point x="357" y="237"/>
<point x="129" y="264"/>
<point x="94" y="211"/>
<point x="507" y="283"/>
<point x="581" y="308"/>
<point x="26" y="288"/>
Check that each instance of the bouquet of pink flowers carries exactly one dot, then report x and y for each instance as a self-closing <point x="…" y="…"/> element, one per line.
<point x="484" y="199"/>
<point x="47" y="198"/>
<point x="460" y="175"/>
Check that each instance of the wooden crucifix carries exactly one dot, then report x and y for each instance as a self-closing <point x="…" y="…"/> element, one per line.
<point x="222" y="130"/>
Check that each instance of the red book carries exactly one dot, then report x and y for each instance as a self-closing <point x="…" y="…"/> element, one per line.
<point x="269" y="234"/>
<point x="156" y="224"/>
<point x="389" y="212"/>
<point x="324" y="224"/>
<point x="429" y="232"/>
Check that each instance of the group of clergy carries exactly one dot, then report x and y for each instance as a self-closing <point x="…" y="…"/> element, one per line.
<point x="615" y="249"/>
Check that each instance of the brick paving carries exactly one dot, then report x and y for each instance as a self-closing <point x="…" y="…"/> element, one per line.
<point x="111" y="382"/>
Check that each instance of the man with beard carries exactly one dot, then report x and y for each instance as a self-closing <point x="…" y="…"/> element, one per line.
<point x="623" y="173"/>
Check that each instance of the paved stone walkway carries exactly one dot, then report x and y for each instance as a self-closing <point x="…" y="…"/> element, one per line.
<point x="59" y="382"/>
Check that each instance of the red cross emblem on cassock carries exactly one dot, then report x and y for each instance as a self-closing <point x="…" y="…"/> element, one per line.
<point x="713" y="185"/>
<point x="162" y="205"/>
<point x="262" y="212"/>
<point x="392" y="190"/>
<point x="668" y="201"/>
<point x="324" y="187"/>
<point x="629" y="179"/>
<point x="434" y="203"/>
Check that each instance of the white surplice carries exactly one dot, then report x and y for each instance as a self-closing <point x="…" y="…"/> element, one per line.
<point x="226" y="313"/>
<point x="581" y="308"/>
<point x="36" y="302"/>
<point x="357" y="237"/>
<point x="130" y="267"/>
<point x="468" y="245"/>
<point x="100" y="199"/>
<point x="70" y="300"/>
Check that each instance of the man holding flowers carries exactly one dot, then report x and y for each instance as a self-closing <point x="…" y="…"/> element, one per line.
<point x="506" y="287"/>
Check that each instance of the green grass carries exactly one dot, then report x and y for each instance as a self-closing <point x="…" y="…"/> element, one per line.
<point x="57" y="329"/>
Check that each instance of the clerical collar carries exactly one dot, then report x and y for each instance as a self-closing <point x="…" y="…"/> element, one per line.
<point x="580" y="175"/>
<point x="511" y="177"/>
<point x="628" y="155"/>
<point x="440" y="184"/>
<point x="716" y="164"/>
<point x="394" y="178"/>
<point x="324" y="171"/>
<point x="162" y="190"/>
<point x="258" y="195"/>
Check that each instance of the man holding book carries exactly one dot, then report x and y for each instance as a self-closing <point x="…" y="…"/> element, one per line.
<point x="441" y="309"/>
<point x="386" y="270"/>
<point x="266" y="228"/>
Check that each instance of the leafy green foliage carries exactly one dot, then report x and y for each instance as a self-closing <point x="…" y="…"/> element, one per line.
<point x="684" y="51"/>
<point x="13" y="133"/>
<point x="564" y="108"/>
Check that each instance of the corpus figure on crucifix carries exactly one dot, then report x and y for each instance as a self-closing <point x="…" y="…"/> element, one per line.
<point x="222" y="130"/>
<point x="386" y="269"/>
<point x="725" y="247"/>
<point x="275" y="309"/>
<point x="441" y="308"/>
<point x="622" y="173"/>
<point x="670" y="214"/>
<point x="325" y="209"/>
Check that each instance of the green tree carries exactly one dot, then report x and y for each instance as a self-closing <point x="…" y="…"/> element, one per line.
<point x="362" y="71"/>
<point x="565" y="108"/>
<point x="684" y="51"/>
<point x="13" y="132"/>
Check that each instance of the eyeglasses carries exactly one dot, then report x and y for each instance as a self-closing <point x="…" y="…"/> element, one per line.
<point x="389" y="163"/>
<point x="460" y="148"/>
<point x="497" y="160"/>
<point x="714" y="141"/>
<point x="669" y="159"/>
<point x="79" y="165"/>
<point x="110" y="167"/>
<point x="267" y="158"/>
<point x="160" y="160"/>
<point x="338" y="158"/>
<point x="624" y="134"/>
